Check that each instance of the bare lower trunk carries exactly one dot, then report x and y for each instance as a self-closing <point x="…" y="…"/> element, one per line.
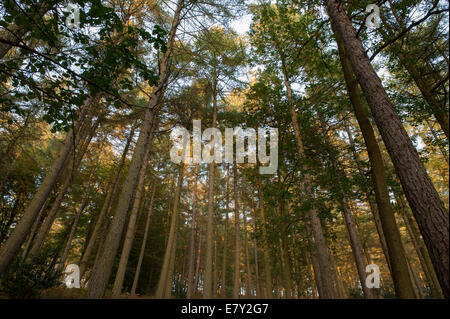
<point x="165" y="279"/>
<point x="352" y="234"/>
<point x="267" y="263"/>
<point x="102" y="270"/>
<point x="247" y="259"/>
<point x="70" y="171"/>
<point x="18" y="236"/>
<point x="225" y="240"/>
<point x="144" y="242"/>
<point x="190" y="282"/>
<point x="259" y="293"/>
<point x="199" y="251"/>
<point x="418" y="244"/>
<point x="237" y="248"/>
<point x="428" y="209"/>
<point x="129" y="236"/>
<point x="208" y="289"/>
<point x="76" y="220"/>
<point x="397" y="258"/>
<point x="104" y="212"/>
<point x="32" y="234"/>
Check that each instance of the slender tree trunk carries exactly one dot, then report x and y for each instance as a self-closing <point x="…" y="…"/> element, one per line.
<point x="18" y="236"/>
<point x="208" y="290"/>
<point x="165" y="278"/>
<point x="286" y="264"/>
<point x="267" y="263"/>
<point x="247" y="258"/>
<point x="190" y="282"/>
<point x="104" y="212"/>
<point x="129" y="236"/>
<point x="351" y="229"/>
<point x="144" y="242"/>
<point x="259" y="293"/>
<point x="225" y="240"/>
<point x="373" y="207"/>
<point x="102" y="270"/>
<point x="397" y="257"/>
<point x="428" y="209"/>
<point x="319" y="239"/>
<point x="314" y="261"/>
<point x="33" y="231"/>
<point x="422" y="253"/>
<point x="199" y="251"/>
<point x="214" y="292"/>
<point x="70" y="171"/>
<point x="76" y="220"/>
<point x="237" y="248"/>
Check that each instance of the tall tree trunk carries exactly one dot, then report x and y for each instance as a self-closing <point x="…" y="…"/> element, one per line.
<point x="18" y="236"/>
<point x="165" y="279"/>
<point x="144" y="242"/>
<point x="33" y="231"/>
<point x="267" y="263"/>
<point x="373" y="207"/>
<point x="190" y="281"/>
<point x="249" y="292"/>
<point x="104" y="211"/>
<point x="259" y="293"/>
<point x="199" y="251"/>
<point x="422" y="253"/>
<point x="129" y="236"/>
<point x="70" y="171"/>
<point x="319" y="239"/>
<point x="350" y="225"/>
<point x="237" y="248"/>
<point x="102" y="270"/>
<point x="314" y="261"/>
<point x="225" y="239"/>
<point x="208" y="290"/>
<point x="76" y="220"/>
<point x="286" y="264"/>
<point x="428" y="209"/>
<point x="397" y="258"/>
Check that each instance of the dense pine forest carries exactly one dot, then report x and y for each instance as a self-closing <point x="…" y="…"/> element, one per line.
<point x="280" y="149"/>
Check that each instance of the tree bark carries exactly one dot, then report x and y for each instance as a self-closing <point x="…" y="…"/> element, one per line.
<point x="249" y="291"/>
<point x="350" y="225"/>
<point x="76" y="220"/>
<point x="225" y="239"/>
<point x="129" y="236"/>
<point x="267" y="263"/>
<point x="102" y="270"/>
<point x="18" y="236"/>
<point x="70" y="171"/>
<point x="144" y="242"/>
<point x="104" y="212"/>
<point x="190" y="281"/>
<point x="208" y="290"/>
<point x="397" y="258"/>
<point x="428" y="209"/>
<point x="237" y="248"/>
<point x="165" y="279"/>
